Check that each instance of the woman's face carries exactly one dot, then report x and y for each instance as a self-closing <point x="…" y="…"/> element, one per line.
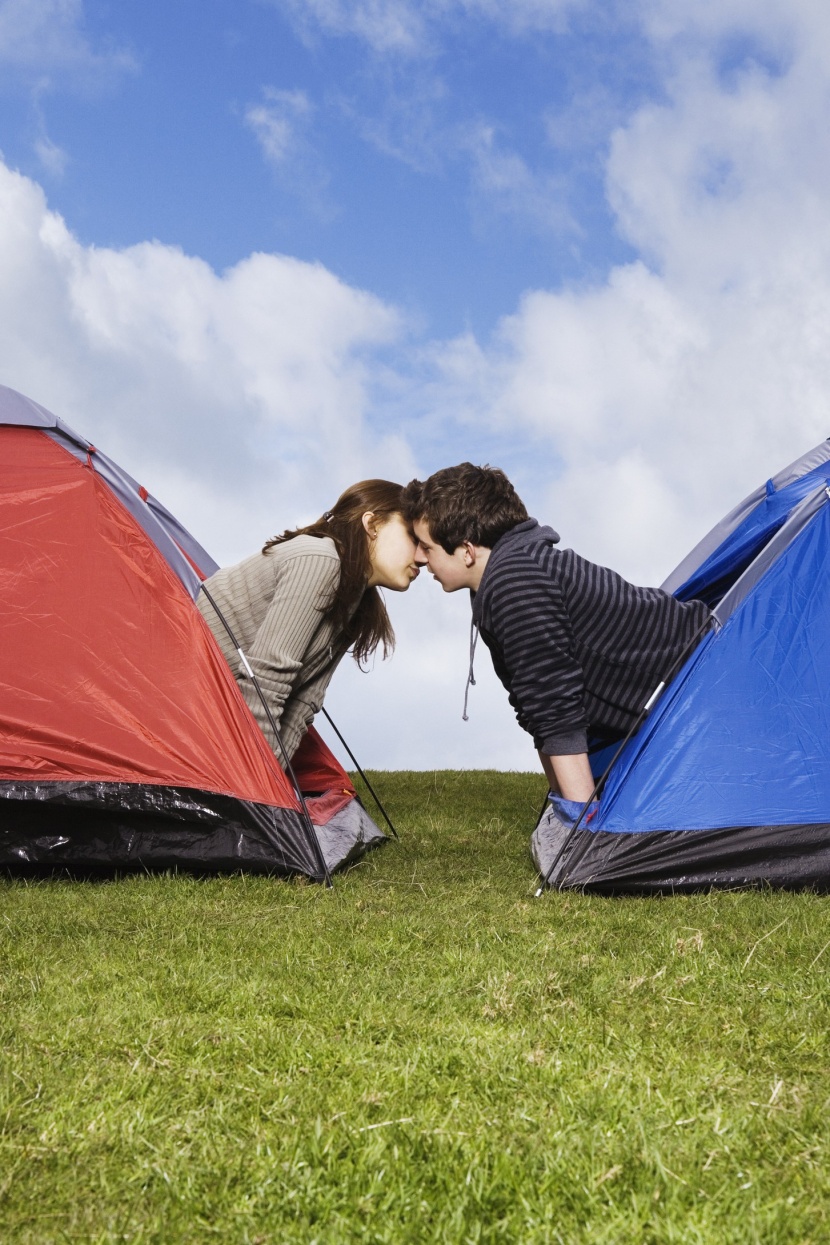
<point x="391" y="552"/>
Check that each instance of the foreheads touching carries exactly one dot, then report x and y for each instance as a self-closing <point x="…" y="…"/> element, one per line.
<point x="464" y="504"/>
<point x="457" y="516"/>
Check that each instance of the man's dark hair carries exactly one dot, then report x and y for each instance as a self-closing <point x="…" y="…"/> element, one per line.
<point x="462" y="503"/>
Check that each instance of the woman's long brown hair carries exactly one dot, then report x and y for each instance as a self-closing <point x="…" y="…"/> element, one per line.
<point x="368" y="625"/>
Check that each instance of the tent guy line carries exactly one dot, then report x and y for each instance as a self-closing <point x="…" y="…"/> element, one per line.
<point x="357" y="766"/>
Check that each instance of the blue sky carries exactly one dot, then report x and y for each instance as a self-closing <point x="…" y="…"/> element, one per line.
<point x="447" y="174"/>
<point x="258" y="250"/>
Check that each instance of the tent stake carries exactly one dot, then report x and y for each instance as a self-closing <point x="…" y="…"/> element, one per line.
<point x="289" y="768"/>
<point x="328" y="718"/>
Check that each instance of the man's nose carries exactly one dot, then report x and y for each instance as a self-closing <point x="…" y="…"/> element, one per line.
<point x="420" y="556"/>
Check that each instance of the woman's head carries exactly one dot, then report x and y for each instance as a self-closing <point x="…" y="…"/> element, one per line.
<point x="392" y="549"/>
<point x="366" y="525"/>
<point x="376" y="550"/>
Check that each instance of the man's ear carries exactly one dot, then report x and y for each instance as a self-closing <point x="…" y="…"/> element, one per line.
<point x="469" y="553"/>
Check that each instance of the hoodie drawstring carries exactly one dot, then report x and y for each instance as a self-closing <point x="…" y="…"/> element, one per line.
<point x="471" y="678"/>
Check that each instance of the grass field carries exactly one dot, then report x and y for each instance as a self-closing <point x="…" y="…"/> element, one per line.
<point x="425" y="1053"/>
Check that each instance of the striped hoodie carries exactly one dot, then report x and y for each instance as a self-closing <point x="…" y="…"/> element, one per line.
<point x="578" y="648"/>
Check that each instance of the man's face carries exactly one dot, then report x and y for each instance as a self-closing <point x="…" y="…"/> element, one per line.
<point x="451" y="570"/>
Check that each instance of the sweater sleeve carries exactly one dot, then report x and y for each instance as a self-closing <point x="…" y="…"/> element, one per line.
<point x="528" y="619"/>
<point x="304" y="590"/>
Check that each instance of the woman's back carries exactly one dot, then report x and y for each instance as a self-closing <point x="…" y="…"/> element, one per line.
<point x="275" y="603"/>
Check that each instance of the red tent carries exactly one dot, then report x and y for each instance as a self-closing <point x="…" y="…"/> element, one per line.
<point x="124" y="739"/>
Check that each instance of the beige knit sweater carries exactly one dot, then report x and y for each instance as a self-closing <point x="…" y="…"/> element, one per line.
<point x="275" y="603"/>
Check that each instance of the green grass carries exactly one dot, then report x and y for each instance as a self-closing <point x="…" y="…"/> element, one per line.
<point x="425" y="1053"/>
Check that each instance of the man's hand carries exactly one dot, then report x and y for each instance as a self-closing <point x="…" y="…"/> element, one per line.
<point x="569" y="776"/>
<point x="568" y="812"/>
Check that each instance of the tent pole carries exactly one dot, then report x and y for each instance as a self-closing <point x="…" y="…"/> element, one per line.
<point x="569" y="839"/>
<point x="328" y="718"/>
<point x="289" y="768"/>
<point x="601" y="781"/>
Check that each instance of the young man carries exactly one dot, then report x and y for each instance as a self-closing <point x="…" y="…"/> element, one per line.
<point x="579" y="649"/>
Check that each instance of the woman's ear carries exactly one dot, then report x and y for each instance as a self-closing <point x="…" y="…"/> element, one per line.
<point x="369" y="524"/>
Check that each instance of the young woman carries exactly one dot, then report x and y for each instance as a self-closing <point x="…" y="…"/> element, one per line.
<point x="310" y="595"/>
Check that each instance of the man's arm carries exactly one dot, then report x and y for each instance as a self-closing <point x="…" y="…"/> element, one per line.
<point x="526" y="625"/>
<point x="569" y="776"/>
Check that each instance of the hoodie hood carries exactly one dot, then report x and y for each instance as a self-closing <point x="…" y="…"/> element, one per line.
<point x="523" y="536"/>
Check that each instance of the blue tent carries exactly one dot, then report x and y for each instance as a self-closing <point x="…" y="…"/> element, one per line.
<point x="727" y="782"/>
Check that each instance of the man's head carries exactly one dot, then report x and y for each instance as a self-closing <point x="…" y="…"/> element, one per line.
<point x="458" y="514"/>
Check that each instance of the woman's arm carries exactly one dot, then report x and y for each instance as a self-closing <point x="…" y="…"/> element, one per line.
<point x="291" y="633"/>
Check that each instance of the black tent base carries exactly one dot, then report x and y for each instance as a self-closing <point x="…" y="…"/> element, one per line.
<point x="794" y="857"/>
<point x="94" y="829"/>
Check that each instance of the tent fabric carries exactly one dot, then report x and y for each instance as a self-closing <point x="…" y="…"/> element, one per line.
<point x="728" y="781"/>
<point x="750" y="509"/>
<point x="185" y="556"/>
<point x="737" y="552"/>
<point x="124" y="739"/>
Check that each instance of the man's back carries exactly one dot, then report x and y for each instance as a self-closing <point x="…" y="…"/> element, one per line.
<point x="578" y="647"/>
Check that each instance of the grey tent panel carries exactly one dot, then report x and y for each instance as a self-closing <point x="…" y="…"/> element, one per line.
<point x="15" y="408"/>
<point x="801" y="467"/>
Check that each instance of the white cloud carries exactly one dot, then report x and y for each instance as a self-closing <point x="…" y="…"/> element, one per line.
<point x="413" y="27"/>
<point x="511" y="188"/>
<point x="409" y="126"/>
<point x="654" y="400"/>
<point x="386" y="25"/>
<point x="278" y="123"/>
<point x="282" y="124"/>
<point x="665" y="393"/>
<point x="44" y="40"/>
<point x="778" y="25"/>
<point x="53" y="158"/>
<point x="236" y="382"/>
